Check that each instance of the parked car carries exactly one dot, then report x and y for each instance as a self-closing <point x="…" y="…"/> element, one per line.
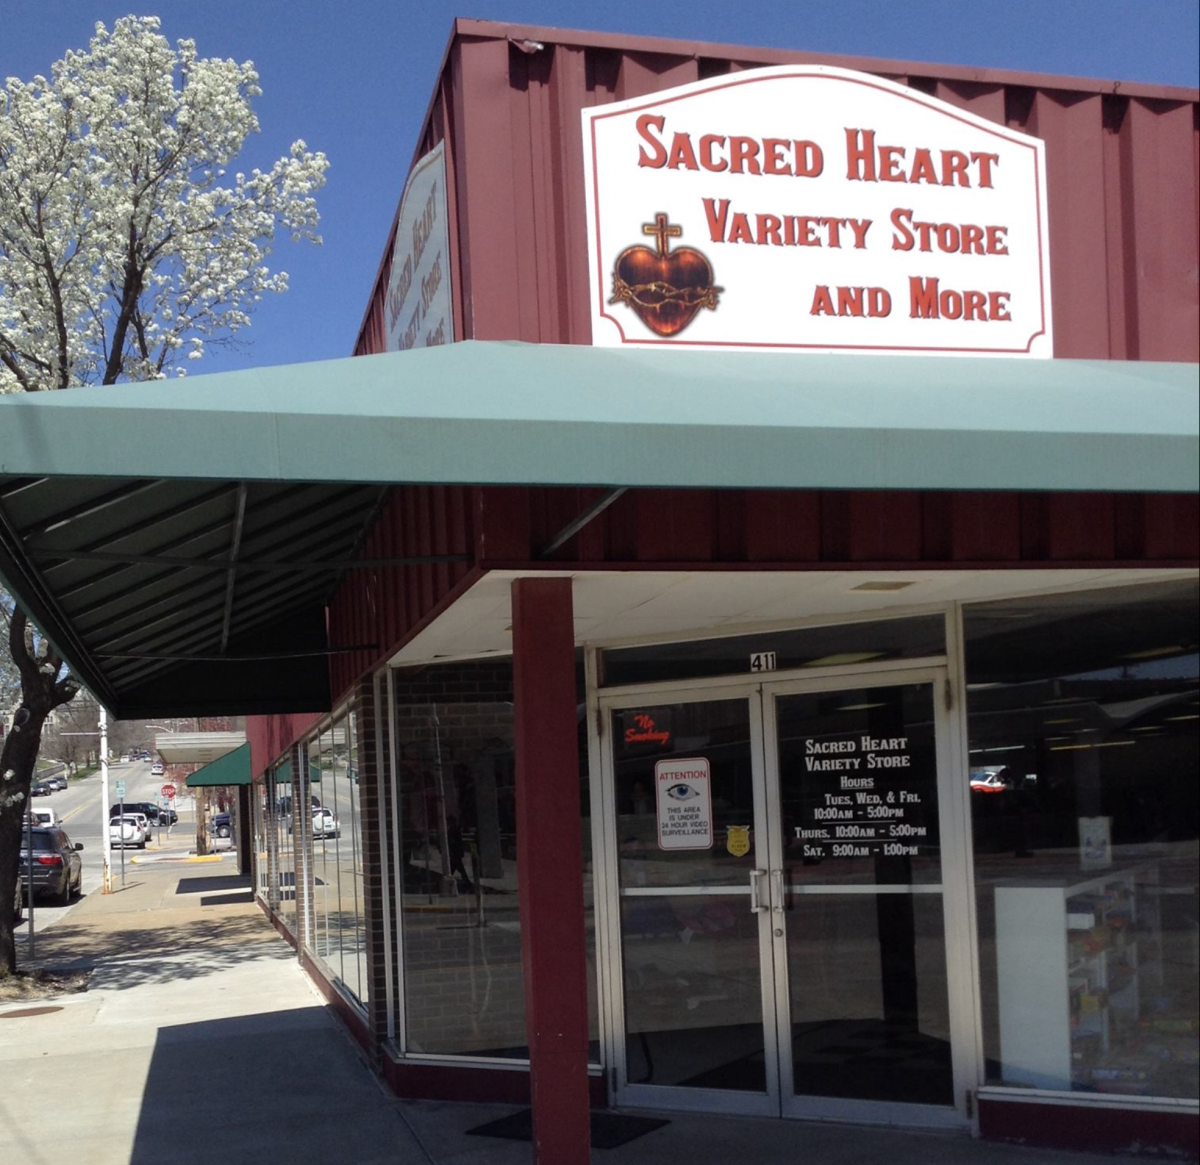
<point x="131" y="829"/>
<point x="56" y="869"/>
<point x="157" y="769"/>
<point x="45" y="817"/>
<point x="154" y="813"/>
<point x="42" y="789"/>
<point x="124" y="758"/>
<point x="987" y="781"/>
<point x="58" y="783"/>
<point x="222" y="825"/>
<point x="325" y="824"/>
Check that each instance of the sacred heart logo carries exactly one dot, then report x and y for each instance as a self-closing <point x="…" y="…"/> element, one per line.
<point x="665" y="288"/>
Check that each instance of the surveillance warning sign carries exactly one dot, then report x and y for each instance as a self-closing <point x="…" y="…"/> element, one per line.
<point x="683" y="798"/>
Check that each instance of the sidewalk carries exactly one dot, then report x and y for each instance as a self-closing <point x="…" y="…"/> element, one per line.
<point x="200" y="1039"/>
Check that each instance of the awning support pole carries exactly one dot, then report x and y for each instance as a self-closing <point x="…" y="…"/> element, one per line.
<point x="576" y="524"/>
<point x="550" y="868"/>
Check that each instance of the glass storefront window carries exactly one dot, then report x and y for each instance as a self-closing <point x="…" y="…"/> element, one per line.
<point x="259" y="799"/>
<point x="339" y="925"/>
<point x="326" y="832"/>
<point x="282" y="805"/>
<point x="1083" y="713"/>
<point x="463" y="984"/>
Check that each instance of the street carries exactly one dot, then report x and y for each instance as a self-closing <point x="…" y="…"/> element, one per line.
<point x="79" y="810"/>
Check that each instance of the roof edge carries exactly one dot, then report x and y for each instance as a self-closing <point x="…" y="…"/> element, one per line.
<point x="465" y="26"/>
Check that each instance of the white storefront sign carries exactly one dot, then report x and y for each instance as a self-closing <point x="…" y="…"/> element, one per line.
<point x="683" y="800"/>
<point x="818" y="209"/>
<point x="418" y="311"/>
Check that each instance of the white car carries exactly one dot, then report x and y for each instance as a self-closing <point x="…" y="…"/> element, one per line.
<point x="325" y="824"/>
<point x="132" y="829"/>
<point x="157" y="769"/>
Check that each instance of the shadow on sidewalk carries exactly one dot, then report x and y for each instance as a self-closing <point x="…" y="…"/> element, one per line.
<point x="275" y="1086"/>
<point x="129" y="956"/>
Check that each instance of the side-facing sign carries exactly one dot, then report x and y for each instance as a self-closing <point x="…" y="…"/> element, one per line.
<point x="418" y="312"/>
<point x="120" y="789"/>
<point x="683" y="799"/>
<point x="811" y="208"/>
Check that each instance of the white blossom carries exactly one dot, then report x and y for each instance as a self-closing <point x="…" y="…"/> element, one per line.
<point x="121" y="243"/>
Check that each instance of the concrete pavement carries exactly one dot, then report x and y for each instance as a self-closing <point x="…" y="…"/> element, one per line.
<point x="200" y="1039"/>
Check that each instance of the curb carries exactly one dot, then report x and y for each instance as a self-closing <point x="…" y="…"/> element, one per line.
<point x="190" y="858"/>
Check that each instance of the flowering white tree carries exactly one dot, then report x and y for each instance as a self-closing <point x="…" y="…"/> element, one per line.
<point x="124" y="243"/>
<point x="125" y="247"/>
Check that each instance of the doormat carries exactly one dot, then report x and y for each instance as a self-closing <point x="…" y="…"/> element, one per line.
<point x="610" y="1130"/>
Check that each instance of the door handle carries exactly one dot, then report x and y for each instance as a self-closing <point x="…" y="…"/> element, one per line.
<point x="777" y="891"/>
<point x="756" y="906"/>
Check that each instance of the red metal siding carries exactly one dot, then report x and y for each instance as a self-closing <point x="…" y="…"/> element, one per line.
<point x="846" y="529"/>
<point x="1121" y="161"/>
<point x="383" y="607"/>
<point x="271" y="736"/>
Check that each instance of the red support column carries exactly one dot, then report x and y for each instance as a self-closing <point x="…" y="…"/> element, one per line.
<point x="550" y="868"/>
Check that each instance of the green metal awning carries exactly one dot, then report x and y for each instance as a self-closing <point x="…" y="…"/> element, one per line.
<point x="231" y="769"/>
<point x="544" y="414"/>
<point x="160" y="533"/>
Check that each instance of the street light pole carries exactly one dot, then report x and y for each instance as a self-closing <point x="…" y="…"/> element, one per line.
<point x="105" y="839"/>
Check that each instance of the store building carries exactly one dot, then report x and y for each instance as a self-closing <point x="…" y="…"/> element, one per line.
<point x="806" y="733"/>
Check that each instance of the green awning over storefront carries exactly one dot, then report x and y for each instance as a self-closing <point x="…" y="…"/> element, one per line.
<point x="178" y="540"/>
<point x="491" y="412"/>
<point x="231" y="769"/>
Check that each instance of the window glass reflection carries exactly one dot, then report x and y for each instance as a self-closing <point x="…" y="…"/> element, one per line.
<point x="339" y="926"/>
<point x="463" y="984"/>
<point x="1083" y="749"/>
<point x="286" y="858"/>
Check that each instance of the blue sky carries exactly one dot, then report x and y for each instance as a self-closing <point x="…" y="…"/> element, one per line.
<point x="354" y="79"/>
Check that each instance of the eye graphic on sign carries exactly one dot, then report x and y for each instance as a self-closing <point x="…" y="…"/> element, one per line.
<point x="664" y="288"/>
<point x="682" y="792"/>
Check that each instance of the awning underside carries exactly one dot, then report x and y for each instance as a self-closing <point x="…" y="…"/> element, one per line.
<point x="150" y="585"/>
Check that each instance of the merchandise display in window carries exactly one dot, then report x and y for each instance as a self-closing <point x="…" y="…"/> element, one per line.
<point x="1082" y="721"/>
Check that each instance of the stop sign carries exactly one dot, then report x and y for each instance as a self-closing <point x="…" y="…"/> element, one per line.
<point x="168" y="791"/>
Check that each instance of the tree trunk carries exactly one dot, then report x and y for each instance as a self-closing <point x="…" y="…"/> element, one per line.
<point x="43" y="688"/>
<point x="19" y="757"/>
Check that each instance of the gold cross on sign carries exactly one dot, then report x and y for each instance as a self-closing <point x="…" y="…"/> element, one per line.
<point x="659" y="229"/>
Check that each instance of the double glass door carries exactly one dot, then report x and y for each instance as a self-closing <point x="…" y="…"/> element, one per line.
<point x="779" y="896"/>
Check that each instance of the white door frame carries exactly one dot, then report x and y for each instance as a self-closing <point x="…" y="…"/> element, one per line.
<point x="664" y="1096"/>
<point x="954" y="823"/>
<point x="955" y="1116"/>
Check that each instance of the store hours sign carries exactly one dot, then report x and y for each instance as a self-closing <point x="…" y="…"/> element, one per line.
<point x="819" y="209"/>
